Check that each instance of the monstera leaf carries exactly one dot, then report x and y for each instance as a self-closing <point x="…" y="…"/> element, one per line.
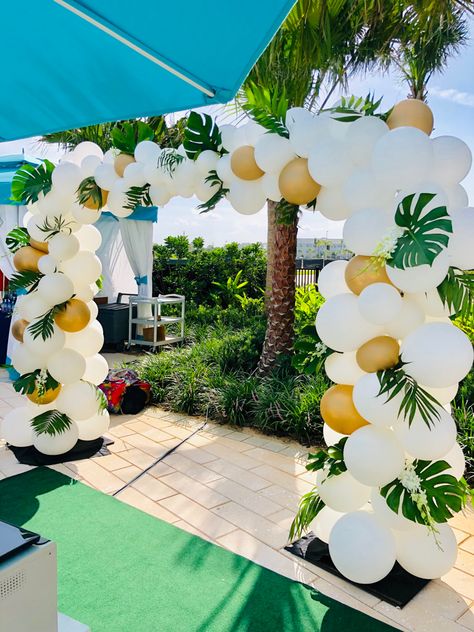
<point x="425" y="234"/>
<point x="201" y="133"/>
<point x="29" y="181"/>
<point x="16" y="239"/>
<point x="445" y="495"/>
<point x="126" y="136"/>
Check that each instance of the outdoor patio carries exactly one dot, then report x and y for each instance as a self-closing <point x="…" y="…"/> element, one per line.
<point x="240" y="489"/>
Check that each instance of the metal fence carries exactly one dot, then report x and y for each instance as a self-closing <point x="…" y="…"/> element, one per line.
<point x="307" y="271"/>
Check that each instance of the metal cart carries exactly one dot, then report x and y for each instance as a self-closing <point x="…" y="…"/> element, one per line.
<point x="156" y="318"/>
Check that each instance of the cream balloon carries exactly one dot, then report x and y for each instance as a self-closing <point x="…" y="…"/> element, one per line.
<point x="379" y="303"/>
<point x="366" y="229"/>
<point x="324" y="523"/>
<point x="94" y="427"/>
<point x="377" y="409"/>
<point x="44" y="347"/>
<point x="273" y="152"/>
<point x="341" y="492"/>
<point x="96" y="369"/>
<point x="374" y="456"/>
<point x="88" y="342"/>
<point x="342" y="368"/>
<point x="427" y="442"/>
<point x="420" y="278"/>
<point x="78" y="400"/>
<point x="452" y="159"/>
<point x="55" y="288"/>
<point x="331" y="279"/>
<point x="58" y="443"/>
<point x="63" y="246"/>
<point x="408" y="319"/>
<point x="66" y="366"/>
<point x="461" y="252"/>
<point x="16" y="429"/>
<point x="422" y="554"/>
<point x="331" y="436"/>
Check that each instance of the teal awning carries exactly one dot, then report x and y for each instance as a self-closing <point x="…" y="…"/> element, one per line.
<point x="8" y="167"/>
<point x="68" y="63"/>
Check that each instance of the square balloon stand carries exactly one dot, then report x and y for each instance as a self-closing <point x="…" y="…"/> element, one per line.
<point x="82" y="450"/>
<point x="397" y="589"/>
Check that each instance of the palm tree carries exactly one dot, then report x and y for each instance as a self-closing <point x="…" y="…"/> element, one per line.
<point x="320" y="45"/>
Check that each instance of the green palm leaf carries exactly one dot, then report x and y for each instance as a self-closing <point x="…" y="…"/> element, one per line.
<point x="219" y="195"/>
<point x="138" y="196"/>
<point x="126" y="136"/>
<point x="90" y="190"/>
<point x="457" y="293"/>
<point x="26" y="280"/>
<point x="201" y="133"/>
<point x="309" y="507"/>
<point x="29" y="181"/>
<point x="425" y="235"/>
<point x="267" y="107"/>
<point x="52" y="422"/>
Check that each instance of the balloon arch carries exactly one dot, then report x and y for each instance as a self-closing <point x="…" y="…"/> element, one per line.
<point x="392" y="474"/>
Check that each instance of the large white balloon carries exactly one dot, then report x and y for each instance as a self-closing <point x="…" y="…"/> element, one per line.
<point x="96" y="369"/>
<point x="324" y="523"/>
<point x="88" y="341"/>
<point x="372" y="406"/>
<point x="457" y="198"/>
<point x="273" y="152"/>
<point x="427" y="442"/>
<point x="362" y="190"/>
<point x="224" y="170"/>
<point x="366" y="229"/>
<point x="341" y="492"/>
<point x="94" y="427"/>
<point x="329" y="163"/>
<point x="15" y="427"/>
<point x="270" y="186"/>
<point x="147" y="152"/>
<point x="387" y="517"/>
<point x="442" y="395"/>
<point x="67" y="177"/>
<point x="84" y="215"/>
<point x="25" y="361"/>
<point x="34" y="306"/>
<point x="342" y="368"/>
<point x="420" y="278"/>
<point x="333" y="204"/>
<point x="44" y="347"/>
<point x="84" y="268"/>
<point x="105" y="176"/>
<point x="461" y="251"/>
<point x="331" y="280"/>
<point x="246" y="197"/>
<point x="431" y="304"/>
<point x="409" y="318"/>
<point x="331" y="436"/>
<point x="63" y="246"/>
<point x="374" y="456"/>
<point x="437" y="354"/>
<point x="78" y="400"/>
<point x="55" y="288"/>
<point x="341" y="326"/>
<point x="379" y="303"/>
<point x="58" y="443"/>
<point x="87" y="148"/>
<point x="456" y="459"/>
<point x="66" y="366"/>
<point x="452" y="159"/>
<point x="307" y="133"/>
<point x="362" y="136"/>
<point x="47" y="265"/>
<point x="425" y="554"/>
<point x="361" y="548"/>
<point x="89" y="238"/>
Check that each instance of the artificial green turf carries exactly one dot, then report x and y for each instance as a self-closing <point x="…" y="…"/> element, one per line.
<point x="121" y="570"/>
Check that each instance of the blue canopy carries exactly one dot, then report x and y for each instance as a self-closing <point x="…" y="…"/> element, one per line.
<point x="73" y="63"/>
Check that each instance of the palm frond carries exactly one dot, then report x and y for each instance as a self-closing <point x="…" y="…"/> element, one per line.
<point x="51" y="422"/>
<point x="138" y="196"/>
<point x="25" y="280"/>
<point x="309" y="507"/>
<point x="89" y="190"/>
<point x="457" y="293"/>
<point x="219" y="195"/>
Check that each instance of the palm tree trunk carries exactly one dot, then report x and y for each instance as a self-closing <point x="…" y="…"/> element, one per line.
<point x="271" y="206"/>
<point x="280" y="316"/>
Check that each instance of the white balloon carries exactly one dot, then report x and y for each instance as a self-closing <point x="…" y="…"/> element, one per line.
<point x="332" y="203"/>
<point x="308" y="132"/>
<point x="133" y="175"/>
<point x="205" y="190"/>
<point x="63" y="246"/>
<point x="206" y="161"/>
<point x="442" y="395"/>
<point x="89" y="238"/>
<point x="147" y="152"/>
<point x="24" y="361"/>
<point x="94" y="427"/>
<point x="246" y="197"/>
<point x="452" y="159"/>
<point x="252" y="131"/>
<point x="56" y="202"/>
<point x="379" y="303"/>
<point x="437" y="354"/>
<point x="431" y="304"/>
<point x="372" y="406"/>
<point x="94" y="310"/>
<point x="55" y="288"/>
<point x="341" y="492"/>
<point x="427" y="442"/>
<point x="366" y="229"/>
<point x="78" y="400"/>
<point x="33" y="226"/>
<point x="41" y="347"/>
<point x="402" y="157"/>
<point x="387" y="517"/>
<point x="58" y="443"/>
<point x="342" y="368"/>
<point x="361" y="548"/>
<point x="87" y="148"/>
<point x="460" y="248"/>
<point x="456" y="459"/>
<point x="85" y="292"/>
<point x="84" y="215"/>
<point x="324" y="523"/>
<point x="89" y="164"/>
<point x="331" y="280"/>
<point x="296" y="117"/>
<point x="83" y="268"/>
<point x="420" y="278"/>
<point x="331" y="436"/>
<point x="88" y="341"/>
<point x="425" y="554"/>
<point x="362" y="135"/>
<point x="229" y="137"/>
<point x="96" y="369"/>
<point x="34" y="306"/>
<point x="105" y="176"/>
<point x="457" y="198"/>
<point x="159" y="195"/>
<point x="341" y="326"/>
<point x="15" y="427"/>
<point x="330" y="163"/>
<point x="67" y="177"/>
<point x="409" y="318"/>
<point x="270" y="187"/>
<point x="223" y="169"/>
<point x="66" y="366"/>
<point x="374" y="456"/>
<point x="362" y="190"/>
<point x="273" y="152"/>
<point x="47" y="264"/>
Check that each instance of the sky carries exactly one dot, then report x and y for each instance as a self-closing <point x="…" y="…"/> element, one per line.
<point x="450" y="96"/>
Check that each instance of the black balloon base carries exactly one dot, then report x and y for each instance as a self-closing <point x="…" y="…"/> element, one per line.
<point x="82" y="450"/>
<point x="397" y="588"/>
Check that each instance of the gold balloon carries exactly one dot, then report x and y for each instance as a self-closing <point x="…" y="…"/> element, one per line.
<point x="74" y="317"/>
<point x="47" y="397"/>
<point x="122" y="161"/>
<point x="39" y="245"/>
<point x="26" y="258"/>
<point x="295" y="183"/>
<point x="243" y="164"/>
<point x="411" y="113"/>
<point x="378" y="354"/>
<point x="338" y="410"/>
<point x="362" y="271"/>
<point x="18" y="329"/>
<point x="95" y="206"/>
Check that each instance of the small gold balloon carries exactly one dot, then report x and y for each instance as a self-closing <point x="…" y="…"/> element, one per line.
<point x="411" y="113"/>
<point x="378" y="354"/>
<point x="40" y="245"/>
<point x="18" y="329"/>
<point x="26" y="258"/>
<point x="362" y="271"/>
<point x="47" y="397"/>
<point x="121" y="162"/>
<point x="338" y="410"/>
<point x="243" y="164"/>
<point x="74" y="317"/>
<point x="95" y="206"/>
<point x="296" y="184"/>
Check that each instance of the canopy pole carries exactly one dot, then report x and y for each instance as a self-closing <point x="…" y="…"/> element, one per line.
<point x="134" y="47"/>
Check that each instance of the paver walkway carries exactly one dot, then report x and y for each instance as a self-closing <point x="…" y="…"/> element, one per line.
<point x="240" y="490"/>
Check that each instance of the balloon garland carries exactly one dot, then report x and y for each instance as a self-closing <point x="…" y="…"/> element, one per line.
<point x="392" y="474"/>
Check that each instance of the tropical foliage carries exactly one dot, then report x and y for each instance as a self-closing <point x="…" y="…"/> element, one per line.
<point x="29" y="181"/>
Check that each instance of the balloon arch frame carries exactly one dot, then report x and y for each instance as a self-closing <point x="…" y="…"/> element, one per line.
<point x="392" y="472"/>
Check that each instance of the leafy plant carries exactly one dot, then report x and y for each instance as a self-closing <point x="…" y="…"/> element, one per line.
<point x="89" y="190"/>
<point x="309" y="507"/>
<point x="201" y="133"/>
<point x="425" y="235"/>
<point x="267" y="108"/>
<point x="53" y="226"/>
<point x="26" y="280"/>
<point x="331" y="459"/>
<point x="286" y="213"/>
<point x="229" y="292"/>
<point x="351" y="108"/>
<point x="415" y="399"/>
<point x="444" y="495"/>
<point x="169" y="159"/>
<point x="126" y="136"/>
<point x="16" y="239"/>
<point x="138" y="196"/>
<point x="29" y="181"/>
<point x="457" y="293"/>
<point x="310" y="352"/>
<point x="28" y="382"/>
<point x="51" y="422"/>
<point x="220" y="194"/>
